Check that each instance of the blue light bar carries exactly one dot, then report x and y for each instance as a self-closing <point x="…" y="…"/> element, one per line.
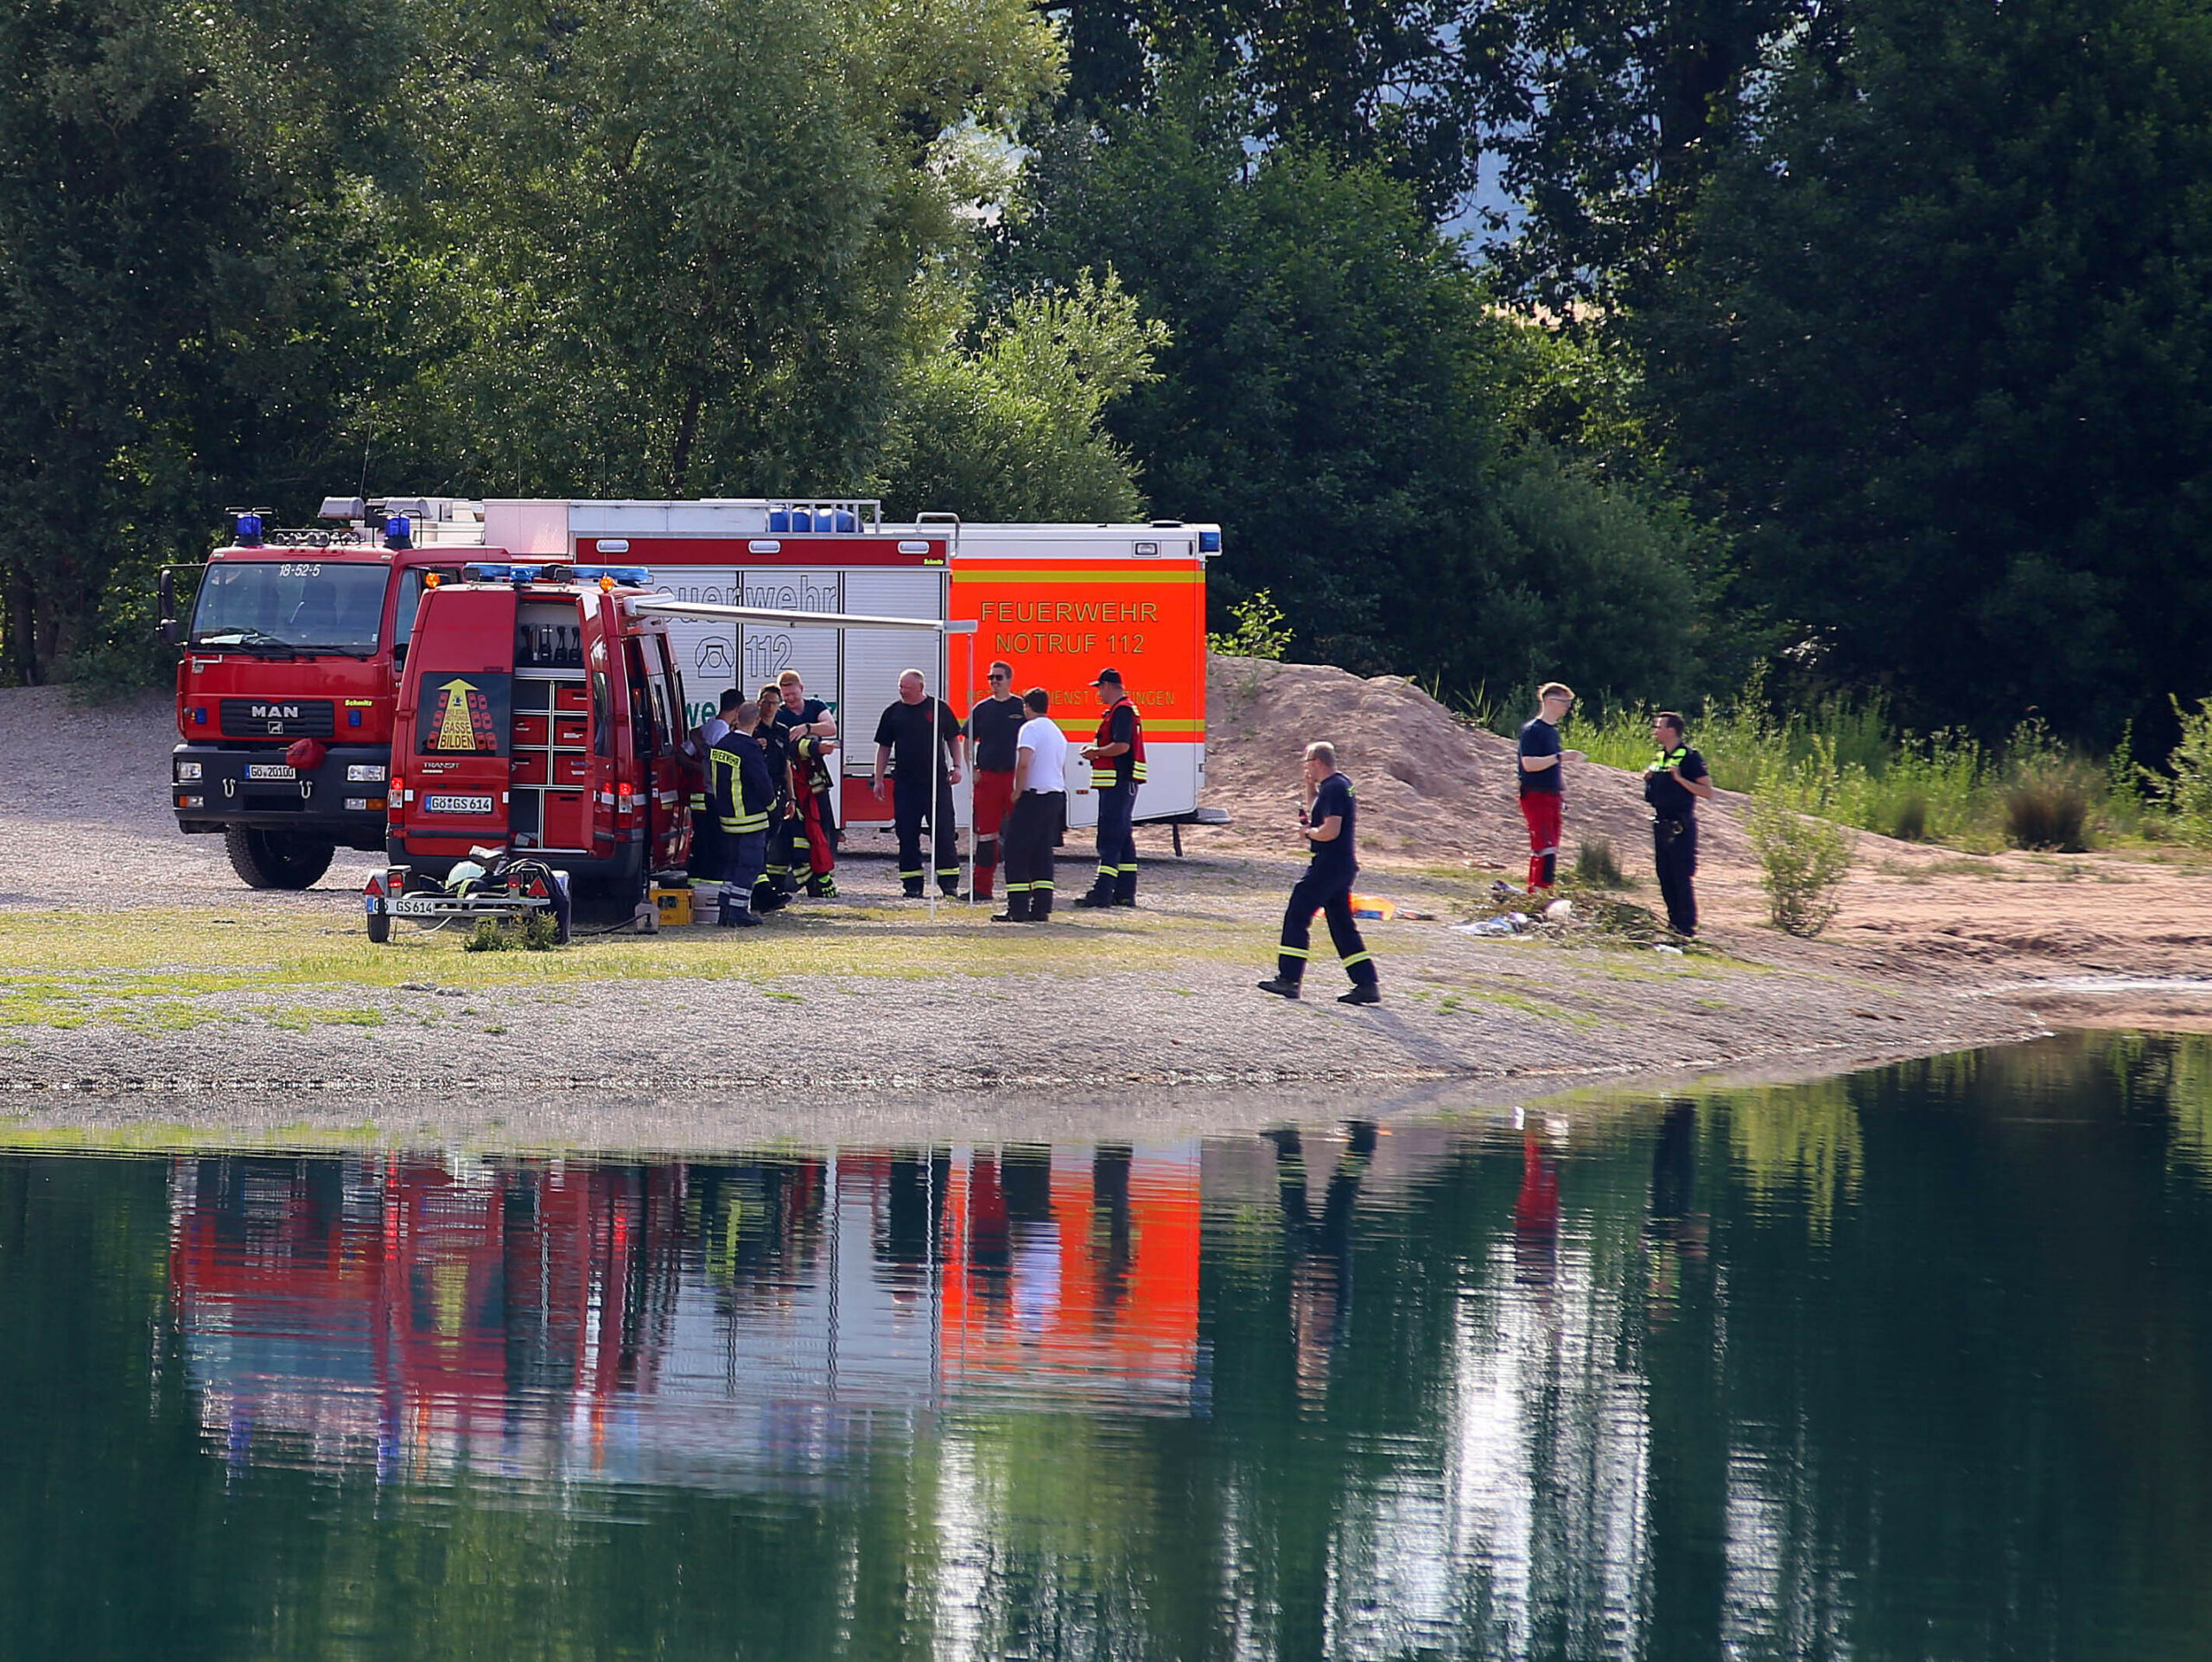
<point x="635" y="576"/>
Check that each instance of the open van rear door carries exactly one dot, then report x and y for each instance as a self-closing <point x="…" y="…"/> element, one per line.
<point x="453" y="733"/>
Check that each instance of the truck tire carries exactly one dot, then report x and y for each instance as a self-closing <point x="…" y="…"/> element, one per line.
<point x="278" y="859"/>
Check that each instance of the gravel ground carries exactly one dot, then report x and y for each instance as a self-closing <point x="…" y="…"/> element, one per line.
<point x="845" y="1018"/>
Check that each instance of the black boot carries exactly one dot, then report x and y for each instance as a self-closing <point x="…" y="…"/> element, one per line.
<point x="1040" y="904"/>
<point x="1125" y="889"/>
<point x="1364" y="992"/>
<point x="1281" y="987"/>
<point x="1017" y="909"/>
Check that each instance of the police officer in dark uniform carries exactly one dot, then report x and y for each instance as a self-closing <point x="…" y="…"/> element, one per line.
<point x="1672" y="785"/>
<point x="1331" y="820"/>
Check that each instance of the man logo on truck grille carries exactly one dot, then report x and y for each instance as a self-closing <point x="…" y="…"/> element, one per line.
<point x="462" y="721"/>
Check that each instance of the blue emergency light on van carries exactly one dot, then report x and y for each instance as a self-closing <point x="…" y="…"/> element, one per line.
<point x="634" y="576"/>
<point x="1209" y="542"/>
<point x="249" y="530"/>
<point x="398" y="533"/>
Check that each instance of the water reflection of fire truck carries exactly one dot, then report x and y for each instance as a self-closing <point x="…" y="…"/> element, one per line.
<point x="701" y="1321"/>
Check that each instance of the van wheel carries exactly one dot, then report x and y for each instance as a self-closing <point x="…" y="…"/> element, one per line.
<point x="278" y="859"/>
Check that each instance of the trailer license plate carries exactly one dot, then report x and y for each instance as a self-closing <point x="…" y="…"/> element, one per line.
<point x="269" y="770"/>
<point x="457" y="804"/>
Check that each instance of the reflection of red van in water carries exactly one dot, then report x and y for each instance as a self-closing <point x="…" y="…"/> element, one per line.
<point x="580" y="1318"/>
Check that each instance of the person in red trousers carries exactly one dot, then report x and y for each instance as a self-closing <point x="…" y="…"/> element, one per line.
<point x="1540" y="756"/>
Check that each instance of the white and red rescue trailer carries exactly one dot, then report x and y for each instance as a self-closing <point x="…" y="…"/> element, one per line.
<point x="1058" y="603"/>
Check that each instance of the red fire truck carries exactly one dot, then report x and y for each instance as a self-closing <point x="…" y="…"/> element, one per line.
<point x="1058" y="602"/>
<point x="299" y="635"/>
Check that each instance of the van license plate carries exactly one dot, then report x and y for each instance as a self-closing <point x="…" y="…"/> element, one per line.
<point x="269" y="770"/>
<point x="457" y="804"/>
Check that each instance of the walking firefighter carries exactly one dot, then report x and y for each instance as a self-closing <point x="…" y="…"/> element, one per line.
<point x="1329" y="823"/>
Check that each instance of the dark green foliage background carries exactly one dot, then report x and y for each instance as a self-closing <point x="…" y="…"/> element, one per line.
<point x="1630" y="341"/>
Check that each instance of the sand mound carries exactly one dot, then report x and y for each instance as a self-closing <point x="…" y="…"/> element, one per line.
<point x="1432" y="788"/>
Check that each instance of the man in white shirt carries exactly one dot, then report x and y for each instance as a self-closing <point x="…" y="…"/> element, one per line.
<point x="1034" y="824"/>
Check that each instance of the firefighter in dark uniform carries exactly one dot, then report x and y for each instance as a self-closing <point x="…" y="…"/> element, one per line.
<point x="1330" y="822"/>
<point x="1117" y="758"/>
<point x="1672" y="785"/>
<point x="912" y="742"/>
<point x="705" y="865"/>
<point x="813" y="733"/>
<point x="743" y="796"/>
<point x="775" y="889"/>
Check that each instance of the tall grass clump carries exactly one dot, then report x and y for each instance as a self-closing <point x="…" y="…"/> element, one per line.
<point x="1596" y="866"/>
<point x="2049" y="794"/>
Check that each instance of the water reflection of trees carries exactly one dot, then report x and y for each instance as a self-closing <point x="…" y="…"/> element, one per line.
<point x="1859" y="1371"/>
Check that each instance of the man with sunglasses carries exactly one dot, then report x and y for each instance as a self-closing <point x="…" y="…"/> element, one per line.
<point x="994" y="735"/>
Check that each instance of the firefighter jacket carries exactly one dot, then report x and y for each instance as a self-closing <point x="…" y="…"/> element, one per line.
<point x="810" y="768"/>
<point x="775" y="744"/>
<point x="697" y="754"/>
<point x="1122" y="725"/>
<point x="742" y="790"/>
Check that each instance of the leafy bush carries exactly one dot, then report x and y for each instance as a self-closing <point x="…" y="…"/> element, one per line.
<point x="1261" y="632"/>
<point x="1597" y="865"/>
<point x="538" y="933"/>
<point x="2184" y="792"/>
<point x="1802" y="861"/>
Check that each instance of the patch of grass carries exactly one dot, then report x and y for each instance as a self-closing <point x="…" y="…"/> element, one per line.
<point x="298" y="1018"/>
<point x="488" y="936"/>
<point x="1596" y="866"/>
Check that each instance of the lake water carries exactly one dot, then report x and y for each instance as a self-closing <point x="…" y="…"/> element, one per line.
<point x="1916" y="1364"/>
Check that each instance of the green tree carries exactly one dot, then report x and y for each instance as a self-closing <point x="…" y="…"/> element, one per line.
<point x="183" y="241"/>
<point x="1337" y="391"/>
<point x="1009" y="428"/>
<point x="1607" y="116"/>
<point x="1938" y="350"/>
<point x="677" y="250"/>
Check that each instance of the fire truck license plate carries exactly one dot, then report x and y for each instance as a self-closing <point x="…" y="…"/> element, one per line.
<point x="457" y="804"/>
<point x="269" y="770"/>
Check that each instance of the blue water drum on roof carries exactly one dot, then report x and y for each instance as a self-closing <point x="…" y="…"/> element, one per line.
<point x="802" y="519"/>
<point x="842" y="519"/>
<point x="779" y="519"/>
